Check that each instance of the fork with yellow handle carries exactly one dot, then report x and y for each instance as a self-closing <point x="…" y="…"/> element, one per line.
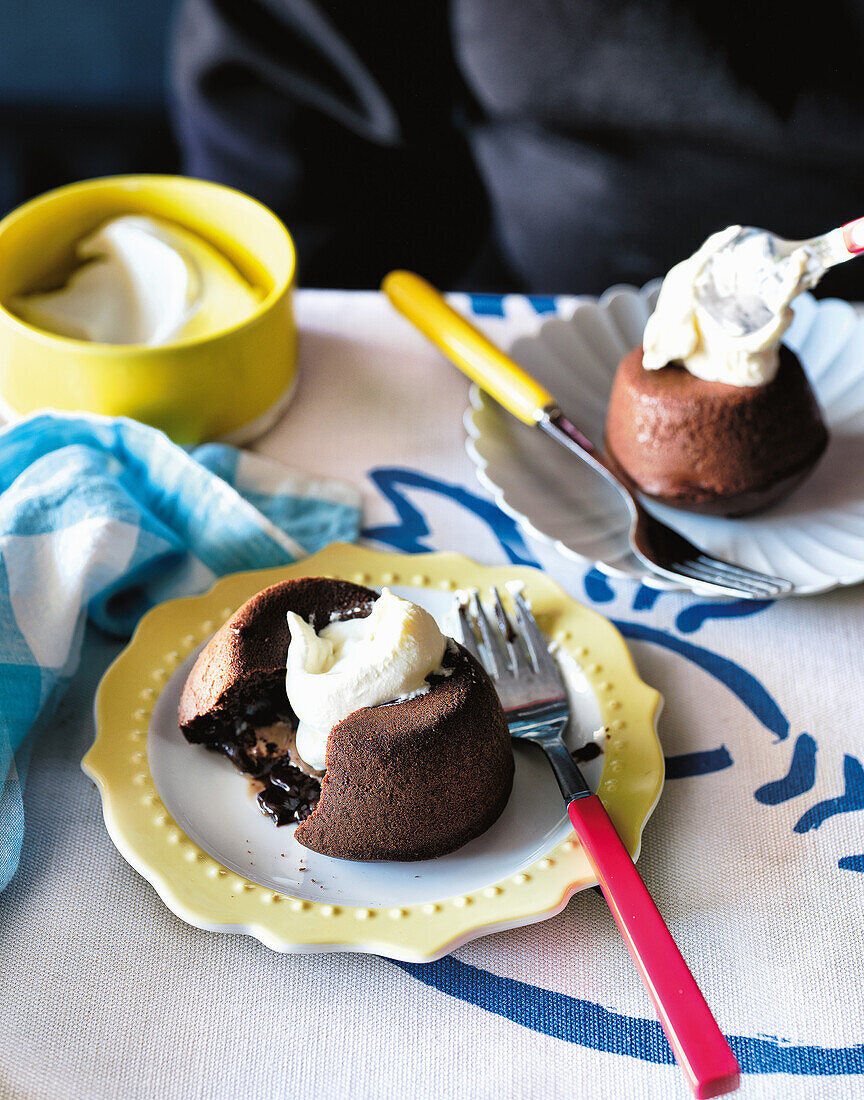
<point x="661" y="549"/>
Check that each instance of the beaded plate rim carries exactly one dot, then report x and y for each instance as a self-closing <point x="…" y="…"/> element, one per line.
<point x="207" y="895"/>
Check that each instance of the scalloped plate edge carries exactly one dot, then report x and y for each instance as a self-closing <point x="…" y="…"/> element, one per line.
<point x="478" y="400"/>
<point x="204" y="894"/>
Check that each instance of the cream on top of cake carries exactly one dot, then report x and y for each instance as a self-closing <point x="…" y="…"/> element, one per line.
<point x="682" y="330"/>
<point x="143" y="281"/>
<point x="357" y="663"/>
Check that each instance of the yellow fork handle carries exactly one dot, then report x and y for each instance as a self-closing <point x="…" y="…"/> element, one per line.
<point x="467" y="347"/>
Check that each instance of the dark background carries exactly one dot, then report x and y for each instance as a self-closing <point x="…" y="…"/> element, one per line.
<point x="667" y="120"/>
<point x="82" y="92"/>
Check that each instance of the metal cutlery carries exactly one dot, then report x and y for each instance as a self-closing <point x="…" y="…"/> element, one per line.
<point x="532" y="693"/>
<point x="660" y="548"/>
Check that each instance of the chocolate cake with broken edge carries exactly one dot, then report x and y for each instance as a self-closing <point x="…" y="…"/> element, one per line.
<point x="711" y="447"/>
<point x="405" y="781"/>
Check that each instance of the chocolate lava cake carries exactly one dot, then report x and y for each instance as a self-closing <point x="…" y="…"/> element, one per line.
<point x="712" y="447"/>
<point x="407" y="780"/>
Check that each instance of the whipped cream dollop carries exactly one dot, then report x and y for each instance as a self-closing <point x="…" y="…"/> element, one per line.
<point x="693" y="322"/>
<point x="143" y="280"/>
<point x="356" y="663"/>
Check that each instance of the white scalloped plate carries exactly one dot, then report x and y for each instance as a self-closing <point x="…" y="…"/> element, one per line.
<point x="815" y="538"/>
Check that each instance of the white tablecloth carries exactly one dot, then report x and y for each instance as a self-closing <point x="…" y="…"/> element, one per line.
<point x="754" y="853"/>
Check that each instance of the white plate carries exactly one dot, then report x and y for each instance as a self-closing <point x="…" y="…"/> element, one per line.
<point x="815" y="538"/>
<point x="212" y="804"/>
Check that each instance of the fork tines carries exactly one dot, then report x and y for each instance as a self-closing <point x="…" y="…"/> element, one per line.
<point x="507" y="649"/>
<point x="759" y="582"/>
<point x="736" y="580"/>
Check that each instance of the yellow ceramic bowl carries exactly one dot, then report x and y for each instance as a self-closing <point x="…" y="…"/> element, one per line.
<point x="226" y="385"/>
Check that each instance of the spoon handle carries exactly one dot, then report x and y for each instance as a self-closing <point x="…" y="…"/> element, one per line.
<point x="853" y="236"/>
<point x="467" y="347"/>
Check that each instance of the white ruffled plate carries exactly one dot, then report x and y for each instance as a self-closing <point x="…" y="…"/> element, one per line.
<point x="815" y="538"/>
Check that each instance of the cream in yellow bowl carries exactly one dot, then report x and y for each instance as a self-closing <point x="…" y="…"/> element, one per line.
<point x="227" y="373"/>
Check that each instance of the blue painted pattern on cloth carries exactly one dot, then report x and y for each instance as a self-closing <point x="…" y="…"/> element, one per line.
<point x="748" y="689"/>
<point x="487" y="305"/>
<point x="591" y="1025"/>
<point x="410" y="533"/>
<point x="852" y="798"/>
<point x="798" y="780"/>
<point x="584" y="1022"/>
<point x="687" y="764"/>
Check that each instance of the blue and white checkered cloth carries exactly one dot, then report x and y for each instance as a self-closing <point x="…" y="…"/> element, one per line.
<point x="103" y="518"/>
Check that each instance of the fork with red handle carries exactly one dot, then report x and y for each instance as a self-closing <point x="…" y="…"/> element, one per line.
<point x="526" y="676"/>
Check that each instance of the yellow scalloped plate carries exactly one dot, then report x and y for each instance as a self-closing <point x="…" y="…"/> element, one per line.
<point x="524" y="869"/>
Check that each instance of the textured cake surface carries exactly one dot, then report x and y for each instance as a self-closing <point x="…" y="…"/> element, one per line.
<point x="708" y="445"/>
<point x="421" y="777"/>
<point x="406" y="780"/>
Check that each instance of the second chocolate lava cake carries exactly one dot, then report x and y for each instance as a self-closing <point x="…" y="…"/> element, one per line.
<point x="709" y="446"/>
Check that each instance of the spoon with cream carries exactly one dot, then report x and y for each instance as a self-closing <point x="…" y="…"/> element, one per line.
<point x="751" y="278"/>
<point x="723" y="311"/>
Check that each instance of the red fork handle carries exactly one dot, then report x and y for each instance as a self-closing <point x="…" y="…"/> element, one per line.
<point x="697" y="1042"/>
<point x="853" y="236"/>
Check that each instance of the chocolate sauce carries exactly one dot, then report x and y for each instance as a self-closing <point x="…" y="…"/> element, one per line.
<point x="290" y="795"/>
<point x="589" y="751"/>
